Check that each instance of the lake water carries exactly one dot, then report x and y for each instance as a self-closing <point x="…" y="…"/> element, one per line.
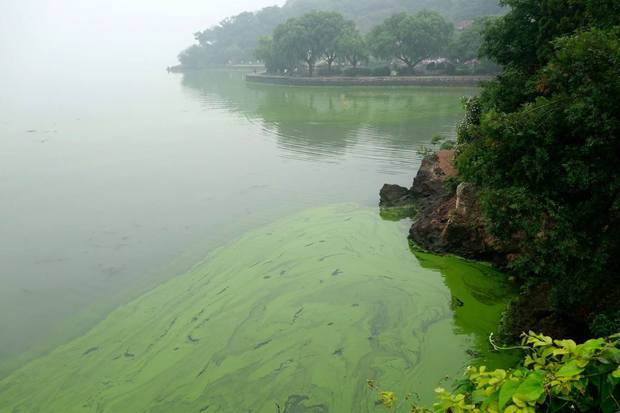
<point x="255" y="206"/>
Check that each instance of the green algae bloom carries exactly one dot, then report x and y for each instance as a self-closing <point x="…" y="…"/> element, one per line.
<point x="294" y="316"/>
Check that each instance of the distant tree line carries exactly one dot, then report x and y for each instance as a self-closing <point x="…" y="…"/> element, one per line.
<point x="234" y="40"/>
<point x="405" y="40"/>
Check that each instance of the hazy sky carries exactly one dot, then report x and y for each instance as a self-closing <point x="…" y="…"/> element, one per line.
<point x="55" y="34"/>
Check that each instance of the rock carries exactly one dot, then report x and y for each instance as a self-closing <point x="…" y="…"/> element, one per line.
<point x="396" y="203"/>
<point x="395" y="196"/>
<point x="445" y="222"/>
<point x="429" y="184"/>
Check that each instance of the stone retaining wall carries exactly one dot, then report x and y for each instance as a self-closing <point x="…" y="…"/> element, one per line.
<point x="369" y="81"/>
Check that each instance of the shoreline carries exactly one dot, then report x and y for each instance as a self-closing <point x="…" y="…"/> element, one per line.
<point x="368" y="81"/>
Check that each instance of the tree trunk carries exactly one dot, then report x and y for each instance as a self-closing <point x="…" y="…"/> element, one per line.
<point x="310" y="68"/>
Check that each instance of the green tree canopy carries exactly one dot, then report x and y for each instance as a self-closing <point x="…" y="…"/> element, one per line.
<point x="411" y="38"/>
<point x="352" y="47"/>
<point x="234" y="39"/>
<point x="542" y="143"/>
<point x="467" y="43"/>
<point x="314" y="36"/>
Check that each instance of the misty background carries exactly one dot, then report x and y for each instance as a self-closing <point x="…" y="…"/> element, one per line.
<point x="59" y="41"/>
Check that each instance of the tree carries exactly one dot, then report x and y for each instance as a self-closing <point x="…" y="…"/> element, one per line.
<point x="542" y="143"/>
<point x="466" y="45"/>
<point x="352" y="47"/>
<point x="309" y="38"/>
<point x="265" y="53"/>
<point x="194" y="57"/>
<point x="411" y="38"/>
<point x="291" y="44"/>
<point x="333" y="27"/>
<point x="235" y="38"/>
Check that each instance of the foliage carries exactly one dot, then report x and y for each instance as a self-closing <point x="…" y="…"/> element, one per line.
<point x="335" y="31"/>
<point x="234" y="39"/>
<point x="326" y="36"/>
<point x="367" y="13"/>
<point x="467" y="43"/>
<point x="447" y="145"/>
<point x="411" y="38"/>
<point x="555" y="375"/>
<point x="352" y="47"/>
<point x="265" y="53"/>
<point x="542" y="143"/>
<point x="326" y="71"/>
<point x="357" y="71"/>
<point x="309" y="38"/>
<point x="464" y="49"/>
<point x="193" y="57"/>
<point x="382" y="71"/>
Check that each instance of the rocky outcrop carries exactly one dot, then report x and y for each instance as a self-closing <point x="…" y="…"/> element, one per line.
<point x="454" y="225"/>
<point x="395" y="196"/>
<point x="446" y="221"/>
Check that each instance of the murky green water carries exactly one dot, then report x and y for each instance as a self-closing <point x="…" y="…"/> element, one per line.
<point x="299" y="313"/>
<point x="112" y="187"/>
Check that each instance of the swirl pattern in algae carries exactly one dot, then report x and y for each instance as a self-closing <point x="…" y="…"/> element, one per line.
<point x="299" y="314"/>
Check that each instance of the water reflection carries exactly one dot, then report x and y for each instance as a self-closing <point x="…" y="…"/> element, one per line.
<point x="388" y="124"/>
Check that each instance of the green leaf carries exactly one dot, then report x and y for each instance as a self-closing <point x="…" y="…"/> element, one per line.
<point x="590" y="346"/>
<point x="616" y="373"/>
<point x="478" y="396"/>
<point x="505" y="394"/>
<point x="569" y="345"/>
<point x="612" y="354"/>
<point x="570" y="369"/>
<point x="532" y="387"/>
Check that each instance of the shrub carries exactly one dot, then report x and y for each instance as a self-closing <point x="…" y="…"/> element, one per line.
<point x="357" y="71"/>
<point x="405" y="71"/>
<point x="447" y="145"/>
<point x="436" y="139"/>
<point x="555" y="376"/>
<point x="382" y="71"/>
<point x="324" y="71"/>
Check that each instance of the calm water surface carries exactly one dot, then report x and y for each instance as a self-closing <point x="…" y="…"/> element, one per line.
<point x="111" y="188"/>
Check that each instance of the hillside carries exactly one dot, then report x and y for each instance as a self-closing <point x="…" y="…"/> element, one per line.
<point x="367" y="13"/>
<point x="234" y="39"/>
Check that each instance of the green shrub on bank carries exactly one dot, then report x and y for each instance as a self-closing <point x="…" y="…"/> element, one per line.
<point x="542" y="143"/>
<point x="555" y="376"/>
<point x="405" y="71"/>
<point x="382" y="71"/>
<point x="357" y="71"/>
<point x="325" y="71"/>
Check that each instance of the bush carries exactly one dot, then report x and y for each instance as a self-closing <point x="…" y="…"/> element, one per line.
<point x="450" y="69"/>
<point x="324" y="71"/>
<point x="447" y="145"/>
<point x="405" y="71"/>
<point x="357" y="71"/>
<point x="382" y="71"/>
<point x="543" y="149"/>
<point x="555" y="376"/>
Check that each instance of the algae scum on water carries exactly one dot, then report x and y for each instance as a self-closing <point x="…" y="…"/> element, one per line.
<point x="298" y="314"/>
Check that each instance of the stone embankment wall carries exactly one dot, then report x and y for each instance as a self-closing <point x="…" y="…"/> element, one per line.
<point x="369" y="81"/>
